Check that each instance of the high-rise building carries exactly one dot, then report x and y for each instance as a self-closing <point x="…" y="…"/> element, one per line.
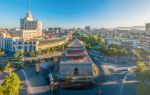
<point x="146" y="40"/>
<point x="27" y="23"/>
<point x="147" y="27"/>
<point x="87" y="28"/>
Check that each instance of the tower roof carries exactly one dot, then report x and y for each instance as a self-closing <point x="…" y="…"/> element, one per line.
<point x="28" y="5"/>
<point x="76" y="43"/>
<point x="29" y="15"/>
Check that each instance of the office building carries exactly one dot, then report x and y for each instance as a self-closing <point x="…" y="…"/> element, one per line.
<point x="27" y="23"/>
<point x="87" y="28"/>
<point x="147" y="27"/>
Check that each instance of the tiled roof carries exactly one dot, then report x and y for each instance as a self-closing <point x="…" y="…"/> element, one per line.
<point x="76" y="43"/>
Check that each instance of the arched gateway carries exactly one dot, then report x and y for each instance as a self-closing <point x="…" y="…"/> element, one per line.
<point x="76" y="71"/>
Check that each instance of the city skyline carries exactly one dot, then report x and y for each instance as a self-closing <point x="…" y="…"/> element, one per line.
<point x="77" y="13"/>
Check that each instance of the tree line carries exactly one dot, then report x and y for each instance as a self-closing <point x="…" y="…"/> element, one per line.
<point x="94" y="41"/>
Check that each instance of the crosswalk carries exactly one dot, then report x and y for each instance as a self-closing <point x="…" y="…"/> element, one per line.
<point x="44" y="65"/>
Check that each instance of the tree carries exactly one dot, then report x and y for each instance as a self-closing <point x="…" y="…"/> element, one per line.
<point x="141" y="76"/>
<point x="92" y="39"/>
<point x="112" y="51"/>
<point x="122" y="52"/>
<point x="75" y="34"/>
<point x="1" y="52"/>
<point x="16" y="54"/>
<point x="1" y="93"/>
<point x="143" y="89"/>
<point x="136" y="53"/>
<point x="6" y="65"/>
<point x="114" y="46"/>
<point x="21" y="52"/>
<point x="101" y="41"/>
<point x="47" y="50"/>
<point x="39" y="52"/>
<point x="62" y="47"/>
<point x="140" y="66"/>
<point x="32" y="53"/>
<point x="10" y="85"/>
<point x="104" y="49"/>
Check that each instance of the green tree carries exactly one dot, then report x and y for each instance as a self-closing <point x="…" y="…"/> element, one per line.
<point x="104" y="49"/>
<point x="112" y="51"/>
<point x="75" y="34"/>
<point x="16" y="54"/>
<point x="62" y="47"/>
<point x="38" y="52"/>
<point x="101" y="41"/>
<point x="136" y="53"/>
<point x="140" y="66"/>
<point x="21" y="52"/>
<point x="6" y="65"/>
<point x="92" y="39"/>
<point x="32" y="53"/>
<point x="141" y="76"/>
<point x="1" y="91"/>
<point x="1" y="52"/>
<point x="10" y="85"/>
<point x="122" y="53"/>
<point x="143" y="89"/>
<point x="114" y="46"/>
<point x="52" y="49"/>
<point x="47" y="50"/>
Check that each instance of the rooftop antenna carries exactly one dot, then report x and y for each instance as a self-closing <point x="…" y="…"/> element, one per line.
<point x="28" y="5"/>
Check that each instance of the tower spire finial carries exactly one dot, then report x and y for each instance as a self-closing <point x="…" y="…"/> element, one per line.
<point x="28" y="5"/>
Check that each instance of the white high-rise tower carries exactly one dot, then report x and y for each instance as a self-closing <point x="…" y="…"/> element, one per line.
<point x="27" y="23"/>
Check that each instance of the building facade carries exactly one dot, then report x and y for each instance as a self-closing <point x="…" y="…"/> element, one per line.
<point x="5" y="41"/>
<point x="24" y="45"/>
<point x="23" y="34"/>
<point x="147" y="27"/>
<point x="146" y="40"/>
<point x="87" y="28"/>
<point x="14" y="44"/>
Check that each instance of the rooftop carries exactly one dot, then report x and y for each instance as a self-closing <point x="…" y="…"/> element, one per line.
<point x="76" y="43"/>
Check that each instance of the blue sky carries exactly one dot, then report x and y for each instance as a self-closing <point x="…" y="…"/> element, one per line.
<point x="77" y="13"/>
